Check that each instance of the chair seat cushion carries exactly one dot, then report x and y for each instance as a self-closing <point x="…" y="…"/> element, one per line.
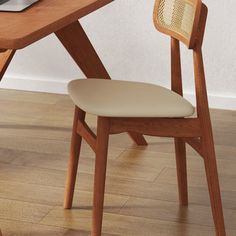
<point x="113" y="98"/>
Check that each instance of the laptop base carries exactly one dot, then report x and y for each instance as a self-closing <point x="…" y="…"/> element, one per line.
<point x="16" y="5"/>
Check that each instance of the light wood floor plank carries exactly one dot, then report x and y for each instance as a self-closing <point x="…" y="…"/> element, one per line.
<point x="19" y="228"/>
<point x="53" y="196"/>
<point x="23" y="211"/>
<point x="170" y="211"/>
<point x="141" y="189"/>
<point x="126" y="225"/>
<point x="198" y="179"/>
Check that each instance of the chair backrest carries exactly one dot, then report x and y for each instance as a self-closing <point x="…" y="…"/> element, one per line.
<point x="178" y="18"/>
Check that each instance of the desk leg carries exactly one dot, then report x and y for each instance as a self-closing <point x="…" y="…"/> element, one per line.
<point x="5" y="59"/>
<point x="76" y="42"/>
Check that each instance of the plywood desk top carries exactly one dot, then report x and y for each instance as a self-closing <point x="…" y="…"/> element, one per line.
<point x="18" y="30"/>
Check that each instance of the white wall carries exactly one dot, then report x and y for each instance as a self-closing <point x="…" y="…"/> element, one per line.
<point x="131" y="49"/>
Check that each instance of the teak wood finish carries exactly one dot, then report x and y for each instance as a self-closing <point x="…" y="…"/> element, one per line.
<point x="197" y="132"/>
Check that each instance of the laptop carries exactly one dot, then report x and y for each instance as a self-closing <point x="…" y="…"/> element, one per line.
<point x="15" y="5"/>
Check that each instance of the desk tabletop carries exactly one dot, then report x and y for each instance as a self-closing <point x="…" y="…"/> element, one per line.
<point x="17" y="30"/>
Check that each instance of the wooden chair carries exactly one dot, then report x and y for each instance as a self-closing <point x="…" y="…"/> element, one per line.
<point x="123" y="106"/>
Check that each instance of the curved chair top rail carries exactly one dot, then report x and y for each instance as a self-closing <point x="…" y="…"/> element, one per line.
<point x="178" y="19"/>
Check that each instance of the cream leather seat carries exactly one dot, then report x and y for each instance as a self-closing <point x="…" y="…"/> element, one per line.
<point x="112" y="98"/>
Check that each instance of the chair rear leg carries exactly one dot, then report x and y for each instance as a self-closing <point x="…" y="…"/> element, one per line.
<point x="74" y="159"/>
<point x="214" y="187"/>
<point x="138" y="138"/>
<point x="100" y="174"/>
<point x="181" y="166"/>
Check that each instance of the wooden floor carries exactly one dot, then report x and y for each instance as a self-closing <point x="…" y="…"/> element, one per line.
<point x="141" y="190"/>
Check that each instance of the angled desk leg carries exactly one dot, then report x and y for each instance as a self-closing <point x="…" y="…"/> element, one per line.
<point x="76" y="42"/>
<point x="5" y="59"/>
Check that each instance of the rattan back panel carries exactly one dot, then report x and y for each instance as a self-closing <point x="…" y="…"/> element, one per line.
<point x="178" y="18"/>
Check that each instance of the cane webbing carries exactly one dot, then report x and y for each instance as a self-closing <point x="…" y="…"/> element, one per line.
<point x="176" y="16"/>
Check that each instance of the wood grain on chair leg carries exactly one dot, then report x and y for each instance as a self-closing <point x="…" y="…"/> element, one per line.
<point x="207" y="142"/>
<point x="74" y="159"/>
<point x="100" y="174"/>
<point x="214" y="189"/>
<point x="212" y="177"/>
<point x="180" y="151"/>
<point x="5" y="59"/>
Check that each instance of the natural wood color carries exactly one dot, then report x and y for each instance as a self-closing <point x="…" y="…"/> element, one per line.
<point x="181" y="167"/>
<point x="5" y="59"/>
<point x="176" y="74"/>
<point x="195" y="143"/>
<point x="20" y="210"/>
<point x="41" y="22"/>
<point x="207" y="137"/>
<point x="81" y="50"/>
<point x="87" y="59"/>
<point x="19" y="228"/>
<point x="164" y="127"/>
<point x="200" y="128"/>
<point x="179" y="128"/>
<point x="103" y="127"/>
<point x="64" y="24"/>
<point x="180" y="148"/>
<point x="33" y="161"/>
<point x="138" y="138"/>
<point x="84" y="131"/>
<point x="74" y="159"/>
<point x="137" y="224"/>
<point x="190" y="43"/>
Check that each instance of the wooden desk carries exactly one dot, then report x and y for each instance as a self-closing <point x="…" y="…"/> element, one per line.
<point x="18" y="30"/>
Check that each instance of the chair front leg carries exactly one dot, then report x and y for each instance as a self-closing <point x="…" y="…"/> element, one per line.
<point x="74" y="159"/>
<point x="181" y="166"/>
<point x="213" y="185"/>
<point x="100" y="174"/>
